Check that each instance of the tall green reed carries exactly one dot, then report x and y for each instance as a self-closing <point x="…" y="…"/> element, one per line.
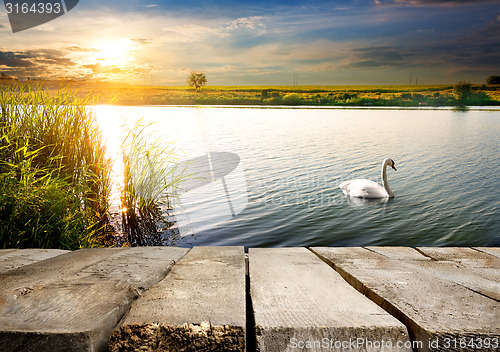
<point x="54" y="174"/>
<point x="151" y="174"/>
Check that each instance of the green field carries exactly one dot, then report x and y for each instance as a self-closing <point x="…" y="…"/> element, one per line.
<point x="405" y="96"/>
<point x="346" y="95"/>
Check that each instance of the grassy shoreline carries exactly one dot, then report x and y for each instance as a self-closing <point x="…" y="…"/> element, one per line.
<point x="352" y="95"/>
<point x="56" y="175"/>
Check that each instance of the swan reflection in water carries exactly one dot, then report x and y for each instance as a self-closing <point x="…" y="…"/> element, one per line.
<point x="360" y="202"/>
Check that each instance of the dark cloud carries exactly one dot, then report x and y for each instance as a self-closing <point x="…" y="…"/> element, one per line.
<point x="50" y="57"/>
<point x="14" y="59"/>
<point x="35" y="63"/>
<point x="31" y="58"/>
<point x="478" y="50"/>
<point x="469" y="51"/>
<point x="381" y="57"/>
<point x="489" y="34"/>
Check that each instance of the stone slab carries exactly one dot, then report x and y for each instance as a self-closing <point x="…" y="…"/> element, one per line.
<point x="472" y="268"/>
<point x="199" y="306"/>
<point x="464" y="256"/>
<point x="400" y="253"/>
<point x="490" y="250"/>
<point x="74" y="301"/>
<point x="441" y="313"/>
<point x="475" y="270"/>
<point x="5" y="251"/>
<point x="301" y="303"/>
<point x="15" y="258"/>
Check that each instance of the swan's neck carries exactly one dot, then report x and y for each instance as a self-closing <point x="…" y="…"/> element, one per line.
<point x="384" y="181"/>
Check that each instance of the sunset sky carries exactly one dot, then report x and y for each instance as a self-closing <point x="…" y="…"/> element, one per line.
<point x="261" y="42"/>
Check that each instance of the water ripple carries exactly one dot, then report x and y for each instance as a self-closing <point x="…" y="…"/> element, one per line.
<point x="446" y="185"/>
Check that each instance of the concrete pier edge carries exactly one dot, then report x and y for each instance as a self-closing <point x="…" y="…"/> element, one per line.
<point x="448" y="298"/>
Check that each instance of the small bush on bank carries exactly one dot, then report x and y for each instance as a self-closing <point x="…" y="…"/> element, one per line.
<point x="462" y="92"/>
<point x="292" y="99"/>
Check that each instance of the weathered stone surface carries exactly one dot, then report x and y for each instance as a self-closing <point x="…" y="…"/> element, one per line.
<point x="463" y="256"/>
<point x="490" y="250"/>
<point x="301" y="303"/>
<point x="434" y="299"/>
<point x="74" y="301"/>
<point x="11" y="259"/>
<point x="474" y="269"/>
<point x="5" y="251"/>
<point x="199" y="306"/>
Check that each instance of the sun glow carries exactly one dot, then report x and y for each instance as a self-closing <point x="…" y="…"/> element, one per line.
<point x="113" y="53"/>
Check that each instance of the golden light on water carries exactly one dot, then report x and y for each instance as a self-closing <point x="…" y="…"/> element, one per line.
<point x="110" y="122"/>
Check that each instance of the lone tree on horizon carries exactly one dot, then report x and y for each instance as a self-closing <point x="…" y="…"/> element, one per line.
<point x="493" y="80"/>
<point x="196" y="80"/>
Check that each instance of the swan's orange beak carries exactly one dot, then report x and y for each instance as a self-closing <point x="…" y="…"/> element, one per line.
<point x="394" y="167"/>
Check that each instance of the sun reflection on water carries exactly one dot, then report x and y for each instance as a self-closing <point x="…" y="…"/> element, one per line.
<point x="111" y="123"/>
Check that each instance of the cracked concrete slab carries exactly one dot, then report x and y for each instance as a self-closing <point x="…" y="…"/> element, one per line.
<point x="74" y="300"/>
<point x="199" y="306"/>
<point x="443" y="307"/>
<point x="301" y="302"/>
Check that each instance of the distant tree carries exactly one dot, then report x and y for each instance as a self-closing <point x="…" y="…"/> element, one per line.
<point x="196" y="80"/>
<point x="493" y="80"/>
<point x="462" y="92"/>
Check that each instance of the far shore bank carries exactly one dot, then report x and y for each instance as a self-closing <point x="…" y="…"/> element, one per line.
<point x="352" y="95"/>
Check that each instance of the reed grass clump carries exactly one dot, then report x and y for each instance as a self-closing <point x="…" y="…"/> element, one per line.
<point x="54" y="175"/>
<point x="151" y="174"/>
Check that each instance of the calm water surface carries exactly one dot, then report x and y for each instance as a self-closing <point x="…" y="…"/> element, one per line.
<point x="279" y="171"/>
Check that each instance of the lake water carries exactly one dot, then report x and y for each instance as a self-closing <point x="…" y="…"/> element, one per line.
<point x="273" y="174"/>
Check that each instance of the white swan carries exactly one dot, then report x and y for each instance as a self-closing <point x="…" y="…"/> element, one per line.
<point x="368" y="189"/>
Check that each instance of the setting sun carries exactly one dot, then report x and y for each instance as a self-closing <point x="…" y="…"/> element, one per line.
<point x="112" y="53"/>
<point x="112" y="60"/>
